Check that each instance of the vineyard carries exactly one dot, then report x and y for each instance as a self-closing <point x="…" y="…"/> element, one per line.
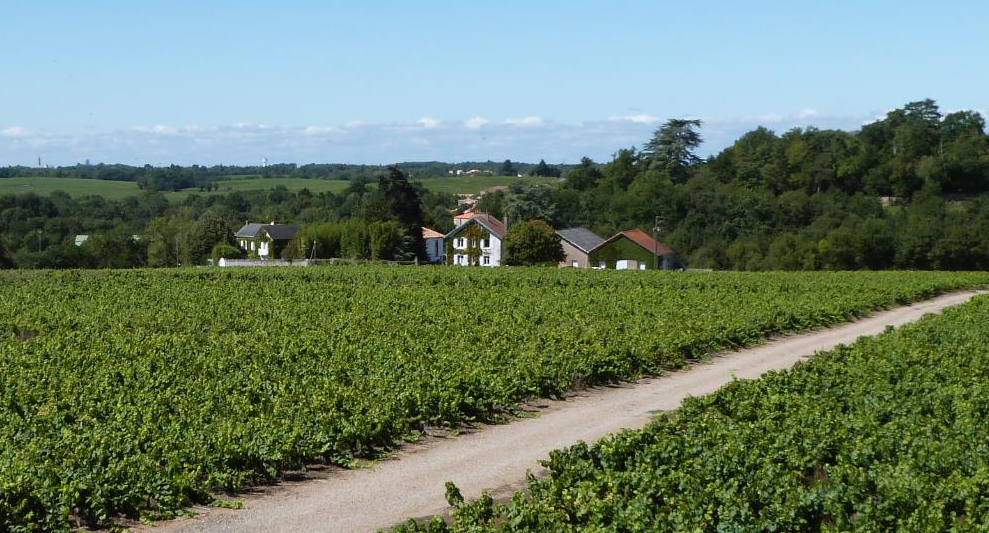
<point x="136" y="393"/>
<point x="886" y="435"/>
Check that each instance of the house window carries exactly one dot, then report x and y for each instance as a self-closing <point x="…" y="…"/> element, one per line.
<point x="486" y="243"/>
<point x="642" y="266"/>
<point x="487" y="260"/>
<point x="602" y="264"/>
<point x="574" y="263"/>
<point x="252" y="245"/>
<point x="460" y="243"/>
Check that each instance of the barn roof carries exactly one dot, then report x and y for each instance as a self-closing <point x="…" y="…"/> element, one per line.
<point x="584" y="239"/>
<point x="642" y="239"/>
<point x="488" y="222"/>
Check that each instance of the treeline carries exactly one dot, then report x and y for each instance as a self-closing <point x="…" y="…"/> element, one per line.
<point x="175" y="178"/>
<point x="39" y="232"/>
<point x="904" y="192"/>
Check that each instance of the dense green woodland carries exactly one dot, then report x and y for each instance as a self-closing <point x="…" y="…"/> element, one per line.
<point x="904" y="192"/>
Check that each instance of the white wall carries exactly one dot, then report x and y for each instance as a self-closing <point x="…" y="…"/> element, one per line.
<point x="434" y="249"/>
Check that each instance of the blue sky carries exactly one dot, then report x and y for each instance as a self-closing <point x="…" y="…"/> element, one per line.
<point x="210" y="82"/>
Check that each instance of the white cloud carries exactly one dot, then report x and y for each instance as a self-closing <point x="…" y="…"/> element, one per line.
<point x="475" y="123"/>
<point x="15" y="131"/>
<point x="318" y="130"/>
<point x="808" y="113"/>
<point x="530" y="121"/>
<point x="519" y="139"/>
<point x="772" y="117"/>
<point x="427" y="122"/>
<point x="638" y="119"/>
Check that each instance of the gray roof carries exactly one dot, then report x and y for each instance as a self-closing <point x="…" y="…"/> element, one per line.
<point x="584" y="239"/>
<point x="278" y="232"/>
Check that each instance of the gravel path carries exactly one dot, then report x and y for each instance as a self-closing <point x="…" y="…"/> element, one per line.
<point x="496" y="458"/>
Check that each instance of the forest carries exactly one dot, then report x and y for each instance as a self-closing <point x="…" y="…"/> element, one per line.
<point x="903" y="192"/>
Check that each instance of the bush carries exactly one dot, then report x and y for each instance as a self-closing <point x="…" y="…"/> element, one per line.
<point x="225" y="251"/>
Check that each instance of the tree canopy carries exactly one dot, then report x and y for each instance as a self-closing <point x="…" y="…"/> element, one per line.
<point x="532" y="243"/>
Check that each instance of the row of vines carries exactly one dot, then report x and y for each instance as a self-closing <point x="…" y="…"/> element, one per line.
<point x="136" y="393"/>
<point x="889" y="434"/>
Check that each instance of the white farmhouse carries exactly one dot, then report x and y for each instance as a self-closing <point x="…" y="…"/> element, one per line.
<point x="476" y="241"/>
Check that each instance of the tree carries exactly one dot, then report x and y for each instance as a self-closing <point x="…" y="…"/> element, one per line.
<point x="532" y="243"/>
<point x="399" y="200"/>
<point x="115" y="249"/>
<point x="525" y="202"/>
<point x="507" y="169"/>
<point x="163" y="236"/>
<point x="492" y="203"/>
<point x="5" y="259"/>
<point x="585" y="176"/>
<point x="225" y="251"/>
<point x="672" y="148"/>
<point x="204" y="234"/>
<point x="542" y="169"/>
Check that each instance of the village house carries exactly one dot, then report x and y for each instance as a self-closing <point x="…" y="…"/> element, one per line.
<point x="264" y="241"/>
<point x="434" y="245"/>
<point x="476" y="241"/>
<point x="632" y="250"/>
<point x="577" y="245"/>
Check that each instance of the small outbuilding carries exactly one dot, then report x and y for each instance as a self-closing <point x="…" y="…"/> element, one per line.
<point x="577" y="245"/>
<point x="632" y="250"/>
<point x="434" y="245"/>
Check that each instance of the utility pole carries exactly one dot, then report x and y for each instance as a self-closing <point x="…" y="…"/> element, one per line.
<point x="655" y="236"/>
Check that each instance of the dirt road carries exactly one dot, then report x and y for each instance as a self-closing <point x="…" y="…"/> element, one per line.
<point x="496" y="458"/>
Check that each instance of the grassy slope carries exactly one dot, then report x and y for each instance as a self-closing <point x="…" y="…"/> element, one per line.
<point x="111" y="190"/>
<point x="115" y="190"/>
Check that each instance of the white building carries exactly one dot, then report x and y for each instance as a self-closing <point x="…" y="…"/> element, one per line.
<point x="434" y="245"/>
<point x="476" y="241"/>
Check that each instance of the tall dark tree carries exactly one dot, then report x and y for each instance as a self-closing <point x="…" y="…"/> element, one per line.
<point x="671" y="148"/>
<point x="507" y="168"/>
<point x="401" y="201"/>
<point x="542" y="169"/>
<point x="204" y="234"/>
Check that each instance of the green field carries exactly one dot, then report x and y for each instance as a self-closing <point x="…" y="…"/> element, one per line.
<point x="116" y="190"/>
<point x="888" y="434"/>
<point x="140" y="392"/>
<point x="111" y="190"/>
<point x="476" y="184"/>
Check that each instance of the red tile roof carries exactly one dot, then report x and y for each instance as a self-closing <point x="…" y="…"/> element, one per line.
<point x="642" y="239"/>
<point x="428" y="233"/>
<point x="491" y="223"/>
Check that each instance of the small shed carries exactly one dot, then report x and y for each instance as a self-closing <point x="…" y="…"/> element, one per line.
<point x="577" y="244"/>
<point x="632" y="250"/>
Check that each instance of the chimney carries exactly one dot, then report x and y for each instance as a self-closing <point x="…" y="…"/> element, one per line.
<point x="246" y="222"/>
<point x="505" y="222"/>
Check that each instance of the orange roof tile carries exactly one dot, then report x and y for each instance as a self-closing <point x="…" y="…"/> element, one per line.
<point x="642" y="239"/>
<point x="428" y="233"/>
